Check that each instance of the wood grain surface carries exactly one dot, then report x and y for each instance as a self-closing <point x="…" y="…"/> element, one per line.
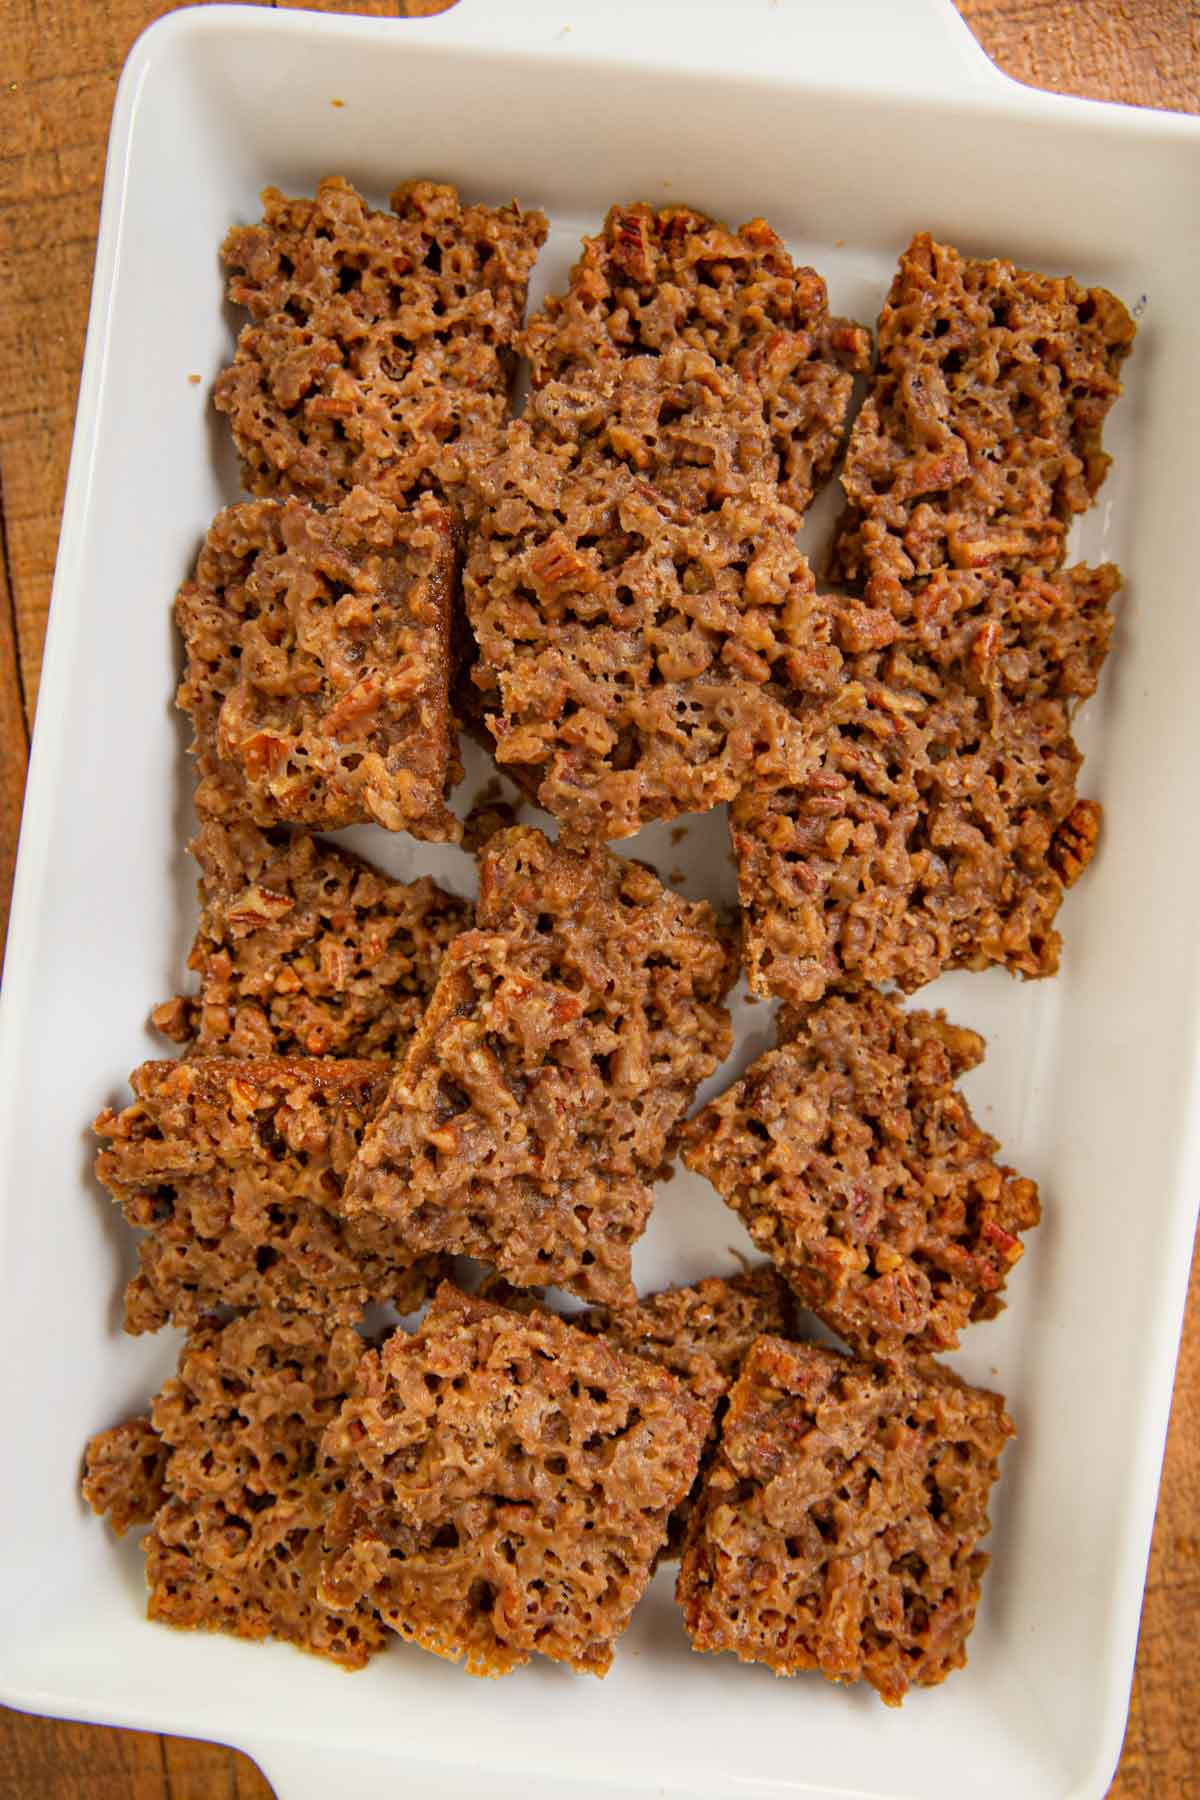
<point x="58" y="71"/>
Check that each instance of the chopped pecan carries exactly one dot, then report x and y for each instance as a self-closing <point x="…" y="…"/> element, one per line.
<point x="861" y="628"/>
<point x="324" y="406"/>
<point x="1074" y="843"/>
<point x="631" y="250"/>
<point x="999" y="1250"/>
<point x="256" y="906"/>
<point x="556" y="564"/>
<point x="175" y="1019"/>
<point x="985" y="648"/>
<point x="263" y="754"/>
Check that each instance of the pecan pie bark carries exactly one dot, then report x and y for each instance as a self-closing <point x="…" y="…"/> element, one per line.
<point x="379" y="344"/>
<point x="638" y="602"/>
<point x="981" y="438"/>
<point x="304" y="949"/>
<point x="853" y="1160"/>
<point x="939" y="824"/>
<point x="235" y="1171"/>
<point x="839" y="1525"/>
<point x="508" y="1482"/>
<point x="236" y="1542"/>
<point x="563" y="1045"/>
<point x="651" y="280"/>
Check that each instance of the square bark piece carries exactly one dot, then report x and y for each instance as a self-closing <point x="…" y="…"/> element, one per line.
<point x="853" y="1161"/>
<point x="377" y="343"/>
<point x="508" y="1482"/>
<point x="981" y="438"/>
<point x="637" y="597"/>
<point x="319" y="662"/>
<point x="236" y="1542"/>
<point x="306" y="950"/>
<point x="840" y="1522"/>
<point x="563" y="1046"/>
<point x="940" y="824"/>
<point x="652" y="280"/>
<point x="235" y="1170"/>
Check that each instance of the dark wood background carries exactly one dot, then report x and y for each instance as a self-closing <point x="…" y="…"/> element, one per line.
<point x="58" y="71"/>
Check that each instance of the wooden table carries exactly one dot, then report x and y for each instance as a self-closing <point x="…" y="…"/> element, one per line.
<point x="58" y="71"/>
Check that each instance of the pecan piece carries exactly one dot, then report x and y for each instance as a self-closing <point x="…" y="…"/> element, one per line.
<point x="557" y="563"/>
<point x="354" y="712"/>
<point x="263" y="754"/>
<point x="631" y="250"/>
<point x="175" y="1019"/>
<point x="256" y="906"/>
<point x="1074" y="843"/>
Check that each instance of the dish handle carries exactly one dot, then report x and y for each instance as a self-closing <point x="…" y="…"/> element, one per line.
<point x="317" y="1771"/>
<point x="892" y="45"/>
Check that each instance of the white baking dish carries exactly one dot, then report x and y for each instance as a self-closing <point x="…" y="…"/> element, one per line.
<point x="849" y="126"/>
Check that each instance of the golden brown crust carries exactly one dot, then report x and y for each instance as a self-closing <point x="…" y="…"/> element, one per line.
<point x="839" y="1525"/>
<point x="318" y="664"/>
<point x="379" y="344"/>
<point x="562" y="1047"/>
<point x="235" y="1171"/>
<point x="854" y="1162"/>
<point x="508" y="1482"/>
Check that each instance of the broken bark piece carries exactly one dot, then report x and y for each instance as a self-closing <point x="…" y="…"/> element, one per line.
<point x="561" y="1050"/>
<point x="304" y="949"/>
<point x="637" y="598"/>
<point x="651" y="280"/>
<point x="839" y="1525"/>
<point x="981" y="438"/>
<point x="235" y="1172"/>
<point x="853" y="1160"/>
<point x="926" y="833"/>
<point x="319" y="662"/>
<point x="379" y="343"/>
<point x="508" y="1482"/>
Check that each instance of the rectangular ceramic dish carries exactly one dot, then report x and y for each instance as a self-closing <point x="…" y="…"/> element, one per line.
<point x="848" y="126"/>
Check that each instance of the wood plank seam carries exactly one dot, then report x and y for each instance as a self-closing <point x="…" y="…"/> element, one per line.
<point x="6" y="575"/>
<point x="14" y="729"/>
